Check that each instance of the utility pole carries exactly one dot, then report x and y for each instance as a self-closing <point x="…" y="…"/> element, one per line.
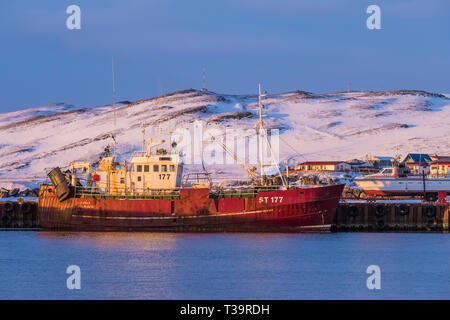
<point x="204" y="80"/>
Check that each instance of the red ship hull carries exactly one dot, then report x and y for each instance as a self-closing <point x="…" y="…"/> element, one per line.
<point x="294" y="210"/>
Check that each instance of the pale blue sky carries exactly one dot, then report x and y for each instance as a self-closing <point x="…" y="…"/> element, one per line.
<point x="162" y="46"/>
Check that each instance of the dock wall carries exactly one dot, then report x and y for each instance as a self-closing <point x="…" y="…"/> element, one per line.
<point x="395" y="217"/>
<point x="351" y="216"/>
<point x="18" y="215"/>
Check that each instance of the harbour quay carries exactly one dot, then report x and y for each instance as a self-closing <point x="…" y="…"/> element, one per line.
<point x="351" y="216"/>
<point x="19" y="215"/>
<point x="391" y="216"/>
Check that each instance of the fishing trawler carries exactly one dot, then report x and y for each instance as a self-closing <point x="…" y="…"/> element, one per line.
<point x="150" y="193"/>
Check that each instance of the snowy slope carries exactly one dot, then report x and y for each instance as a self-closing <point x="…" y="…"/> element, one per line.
<point x="334" y="126"/>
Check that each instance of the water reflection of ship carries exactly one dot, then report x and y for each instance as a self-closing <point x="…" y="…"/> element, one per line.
<point x="148" y="194"/>
<point x="144" y="241"/>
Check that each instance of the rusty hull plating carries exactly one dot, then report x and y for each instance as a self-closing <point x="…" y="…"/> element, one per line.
<point x="196" y="210"/>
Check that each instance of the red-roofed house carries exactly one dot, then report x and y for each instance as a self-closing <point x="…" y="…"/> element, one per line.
<point x="324" y="166"/>
<point x="437" y="157"/>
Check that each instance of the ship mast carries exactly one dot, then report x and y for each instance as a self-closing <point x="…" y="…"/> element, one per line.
<point x="260" y="132"/>
<point x="143" y="136"/>
<point x="263" y="135"/>
<point x="114" y="105"/>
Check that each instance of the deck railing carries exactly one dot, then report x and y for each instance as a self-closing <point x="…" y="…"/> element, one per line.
<point x="140" y="193"/>
<point x="122" y="192"/>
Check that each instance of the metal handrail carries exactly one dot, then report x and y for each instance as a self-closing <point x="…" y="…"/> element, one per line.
<point x="122" y="192"/>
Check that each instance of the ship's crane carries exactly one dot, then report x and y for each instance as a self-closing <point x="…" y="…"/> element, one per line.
<point x="85" y="166"/>
<point x="262" y="135"/>
<point x="250" y="172"/>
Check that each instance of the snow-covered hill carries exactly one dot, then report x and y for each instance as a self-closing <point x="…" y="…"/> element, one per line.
<point x="333" y="126"/>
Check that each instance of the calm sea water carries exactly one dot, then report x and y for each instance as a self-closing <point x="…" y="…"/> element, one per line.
<point x="223" y="266"/>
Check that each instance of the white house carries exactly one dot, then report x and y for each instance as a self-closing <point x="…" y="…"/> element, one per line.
<point x="341" y="166"/>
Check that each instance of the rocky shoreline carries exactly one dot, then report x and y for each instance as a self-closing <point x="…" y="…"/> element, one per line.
<point x="16" y="192"/>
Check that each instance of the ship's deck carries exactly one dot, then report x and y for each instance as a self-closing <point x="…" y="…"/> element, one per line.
<point x="86" y="193"/>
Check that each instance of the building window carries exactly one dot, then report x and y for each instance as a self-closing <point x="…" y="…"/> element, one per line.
<point x="163" y="168"/>
<point x="139" y="168"/>
<point x="139" y="178"/>
<point x="122" y="180"/>
<point x="172" y="168"/>
<point x="155" y="168"/>
<point x="146" y="168"/>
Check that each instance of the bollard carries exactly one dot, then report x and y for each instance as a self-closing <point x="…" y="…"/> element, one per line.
<point x="18" y="216"/>
<point x="445" y="219"/>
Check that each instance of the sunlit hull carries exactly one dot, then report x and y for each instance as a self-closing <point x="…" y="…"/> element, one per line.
<point x="294" y="210"/>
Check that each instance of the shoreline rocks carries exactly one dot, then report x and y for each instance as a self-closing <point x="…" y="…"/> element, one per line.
<point x="16" y="192"/>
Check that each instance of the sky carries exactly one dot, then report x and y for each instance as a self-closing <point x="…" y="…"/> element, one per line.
<point x="162" y="46"/>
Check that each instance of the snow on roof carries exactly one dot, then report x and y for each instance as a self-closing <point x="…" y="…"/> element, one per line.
<point x="321" y="163"/>
<point x="418" y="157"/>
<point x="361" y="164"/>
<point x="384" y="158"/>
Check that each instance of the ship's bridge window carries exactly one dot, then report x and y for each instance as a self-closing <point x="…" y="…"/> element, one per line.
<point x="172" y="168"/>
<point x="146" y="168"/>
<point x="163" y="168"/>
<point x="139" y="168"/>
<point x="387" y="171"/>
<point x="155" y="168"/>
